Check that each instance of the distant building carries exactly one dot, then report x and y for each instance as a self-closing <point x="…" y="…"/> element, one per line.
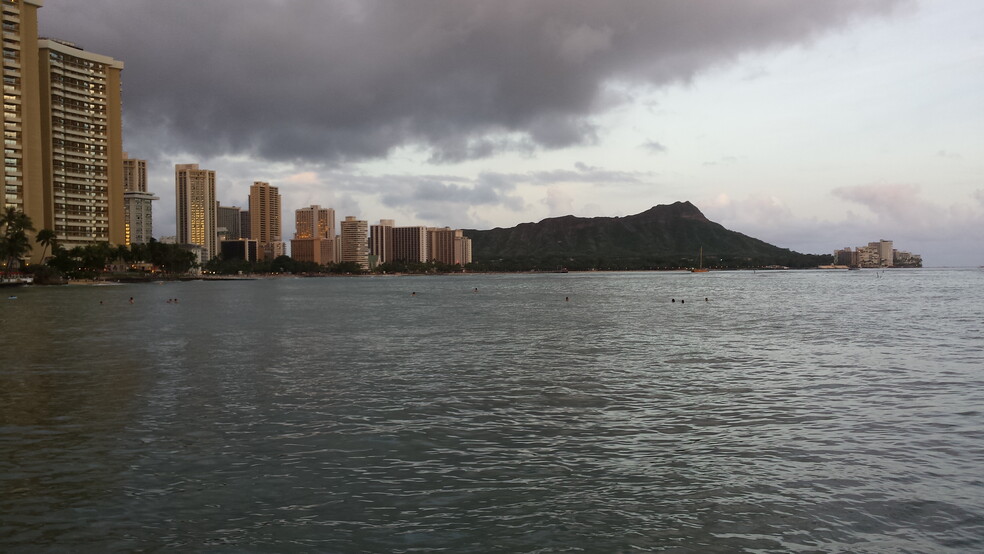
<point x="355" y="241"/>
<point x="195" y="208"/>
<point x="317" y="250"/>
<point x="381" y="241"/>
<point x="448" y="246"/>
<point x="273" y="250"/>
<point x="409" y="244"/>
<point x="264" y="215"/>
<point x="134" y="174"/>
<point x="876" y="254"/>
<point x="199" y="252"/>
<point x="244" y="228"/>
<point x="239" y="249"/>
<point x="229" y="218"/>
<point x="138" y="209"/>
<point x="906" y="259"/>
<point x="314" y="222"/>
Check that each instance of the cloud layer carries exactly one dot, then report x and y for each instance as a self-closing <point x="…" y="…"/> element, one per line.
<point x="326" y="81"/>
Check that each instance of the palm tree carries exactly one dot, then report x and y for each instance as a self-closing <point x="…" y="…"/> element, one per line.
<point x="13" y="241"/>
<point x="46" y="238"/>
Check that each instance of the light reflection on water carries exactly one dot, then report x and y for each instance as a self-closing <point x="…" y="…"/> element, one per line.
<point x="791" y="411"/>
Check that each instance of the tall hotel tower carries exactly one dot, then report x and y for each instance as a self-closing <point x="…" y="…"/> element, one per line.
<point x="137" y="202"/>
<point x="22" y="173"/>
<point x="381" y="241"/>
<point x="82" y="134"/>
<point x="355" y="241"/>
<point x="62" y="132"/>
<point x="314" y="237"/>
<point x="195" y="208"/>
<point x="314" y="222"/>
<point x="264" y="216"/>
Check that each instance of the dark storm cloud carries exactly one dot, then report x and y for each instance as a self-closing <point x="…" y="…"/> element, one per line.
<point x="325" y="81"/>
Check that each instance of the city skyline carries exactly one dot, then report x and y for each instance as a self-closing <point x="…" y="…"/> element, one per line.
<point x="802" y="124"/>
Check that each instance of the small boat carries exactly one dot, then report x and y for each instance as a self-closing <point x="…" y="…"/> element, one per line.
<point x="700" y="263"/>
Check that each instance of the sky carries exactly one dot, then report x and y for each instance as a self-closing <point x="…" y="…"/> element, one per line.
<point x="809" y="125"/>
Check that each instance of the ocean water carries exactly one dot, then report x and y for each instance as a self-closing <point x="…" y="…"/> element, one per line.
<point x="790" y="411"/>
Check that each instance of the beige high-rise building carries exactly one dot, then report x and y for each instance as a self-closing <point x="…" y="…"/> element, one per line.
<point x="449" y="246"/>
<point x="134" y="174"/>
<point x="195" y="208"/>
<point x="62" y="133"/>
<point x="314" y="222"/>
<point x="22" y="171"/>
<point x="355" y="241"/>
<point x="264" y="216"/>
<point x="82" y="135"/>
<point x="138" y="210"/>
<point x="381" y="241"/>
<point x="314" y="249"/>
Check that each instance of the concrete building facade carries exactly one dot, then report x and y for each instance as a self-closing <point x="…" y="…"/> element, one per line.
<point x="195" y="208"/>
<point x="239" y="249"/>
<point x="410" y="244"/>
<point x="23" y="153"/>
<point x="138" y="208"/>
<point x="381" y="241"/>
<point x="264" y="219"/>
<point x="82" y="137"/>
<point x="355" y="241"/>
<point x="229" y="222"/>
<point x="314" y="249"/>
<point x="314" y="222"/>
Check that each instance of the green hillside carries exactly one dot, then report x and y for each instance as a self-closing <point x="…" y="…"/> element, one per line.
<point x="660" y="238"/>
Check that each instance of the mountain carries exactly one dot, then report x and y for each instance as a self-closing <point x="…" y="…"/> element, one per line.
<point x="660" y="237"/>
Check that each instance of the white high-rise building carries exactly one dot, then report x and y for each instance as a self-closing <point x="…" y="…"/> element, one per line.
<point x="355" y="241"/>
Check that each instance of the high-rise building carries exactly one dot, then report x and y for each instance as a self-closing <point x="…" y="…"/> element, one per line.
<point x="82" y="137"/>
<point x="314" y="222"/>
<point x="449" y="246"/>
<point x="62" y="133"/>
<point x="264" y="215"/>
<point x="229" y="218"/>
<point x="410" y="244"/>
<point x="244" y="224"/>
<point x="355" y="241"/>
<point x="381" y="241"/>
<point x="884" y="249"/>
<point x="195" y="208"/>
<point x="138" y="211"/>
<point x="319" y="250"/>
<point x="22" y="170"/>
<point x="134" y="174"/>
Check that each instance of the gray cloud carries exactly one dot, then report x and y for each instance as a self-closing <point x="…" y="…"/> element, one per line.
<point x="330" y="81"/>
<point x="654" y="147"/>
